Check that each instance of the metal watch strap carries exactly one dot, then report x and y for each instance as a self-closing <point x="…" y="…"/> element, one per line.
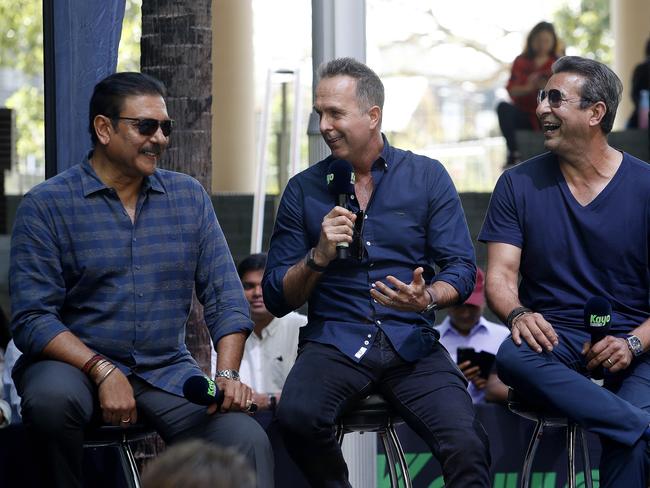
<point x="433" y="305"/>
<point x="634" y="345"/>
<point x="231" y="374"/>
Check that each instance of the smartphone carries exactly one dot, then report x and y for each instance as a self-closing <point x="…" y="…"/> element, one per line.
<point x="466" y="354"/>
<point x="485" y="361"/>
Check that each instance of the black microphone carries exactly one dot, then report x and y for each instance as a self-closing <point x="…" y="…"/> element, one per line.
<point x="597" y="318"/>
<point x="340" y="183"/>
<point x="202" y="391"/>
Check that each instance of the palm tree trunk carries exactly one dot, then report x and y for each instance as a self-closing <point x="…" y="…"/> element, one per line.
<point x="176" y="47"/>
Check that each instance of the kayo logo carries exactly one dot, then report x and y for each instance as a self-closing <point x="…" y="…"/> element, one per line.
<point x="330" y="178"/>
<point x="599" y="320"/>
<point x="212" y="388"/>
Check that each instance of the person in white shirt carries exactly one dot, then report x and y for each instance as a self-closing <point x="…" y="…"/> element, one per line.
<point x="271" y="349"/>
<point x="466" y="327"/>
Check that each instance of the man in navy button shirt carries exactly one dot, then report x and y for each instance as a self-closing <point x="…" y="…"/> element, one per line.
<point x="575" y="223"/>
<point x="104" y="260"/>
<point x="371" y="315"/>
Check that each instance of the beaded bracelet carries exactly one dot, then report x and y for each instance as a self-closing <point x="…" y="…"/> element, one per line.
<point x="516" y="313"/>
<point x="91" y="362"/>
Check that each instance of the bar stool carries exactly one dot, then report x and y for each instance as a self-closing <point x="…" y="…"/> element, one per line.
<point x="543" y="419"/>
<point x="120" y="437"/>
<point x="374" y="414"/>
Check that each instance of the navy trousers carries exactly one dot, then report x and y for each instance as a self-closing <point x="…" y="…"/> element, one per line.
<point x="429" y="394"/>
<point x="619" y="412"/>
<point x="59" y="401"/>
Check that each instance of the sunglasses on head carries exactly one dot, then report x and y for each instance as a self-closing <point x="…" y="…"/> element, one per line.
<point x="555" y="97"/>
<point x="148" y="127"/>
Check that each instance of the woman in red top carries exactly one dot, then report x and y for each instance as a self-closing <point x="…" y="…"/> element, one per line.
<point x="530" y="71"/>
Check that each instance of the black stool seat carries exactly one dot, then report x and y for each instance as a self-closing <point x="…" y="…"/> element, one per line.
<point x="374" y="414"/>
<point x="370" y="414"/>
<point x="107" y="435"/>
<point x="522" y="407"/>
<point x="120" y="437"/>
<point x="544" y="417"/>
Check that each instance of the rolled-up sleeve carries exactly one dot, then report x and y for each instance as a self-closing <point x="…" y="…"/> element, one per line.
<point x="218" y="287"/>
<point x="288" y="246"/>
<point x="36" y="282"/>
<point x="448" y="239"/>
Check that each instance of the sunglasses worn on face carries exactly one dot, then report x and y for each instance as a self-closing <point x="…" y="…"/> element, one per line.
<point x="555" y="98"/>
<point x="148" y="127"/>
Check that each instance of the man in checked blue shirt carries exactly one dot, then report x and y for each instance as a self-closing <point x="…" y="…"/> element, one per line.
<point x="104" y="258"/>
<point x="371" y="315"/>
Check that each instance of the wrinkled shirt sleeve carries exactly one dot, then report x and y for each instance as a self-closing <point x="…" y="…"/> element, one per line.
<point x="448" y="239"/>
<point x="288" y="246"/>
<point x="35" y="278"/>
<point x="218" y="287"/>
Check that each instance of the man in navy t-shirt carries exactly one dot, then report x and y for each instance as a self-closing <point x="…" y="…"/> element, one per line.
<point x="575" y="223"/>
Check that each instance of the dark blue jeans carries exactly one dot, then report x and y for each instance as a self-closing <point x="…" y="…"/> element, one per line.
<point x="430" y="395"/>
<point x="619" y="413"/>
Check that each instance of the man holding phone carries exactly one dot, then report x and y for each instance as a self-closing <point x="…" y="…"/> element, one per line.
<point x="472" y="342"/>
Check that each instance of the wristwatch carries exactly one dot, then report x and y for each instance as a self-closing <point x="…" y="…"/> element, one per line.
<point x="309" y="261"/>
<point x="634" y="345"/>
<point x="231" y="374"/>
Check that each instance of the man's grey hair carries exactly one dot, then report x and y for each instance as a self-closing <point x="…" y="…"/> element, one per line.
<point x="370" y="89"/>
<point x="601" y="85"/>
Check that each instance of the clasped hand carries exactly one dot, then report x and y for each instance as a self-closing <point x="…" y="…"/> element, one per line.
<point x="473" y="373"/>
<point x="610" y="352"/>
<point x="237" y="396"/>
<point x="337" y="227"/>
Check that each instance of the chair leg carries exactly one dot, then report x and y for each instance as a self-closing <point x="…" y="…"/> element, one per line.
<point x="570" y="447"/>
<point x="397" y="445"/>
<point x="586" y="463"/>
<point x="390" y="459"/>
<point x="530" y="453"/>
<point x="134" y="478"/>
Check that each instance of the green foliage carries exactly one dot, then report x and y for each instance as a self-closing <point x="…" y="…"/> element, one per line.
<point x="128" y="57"/>
<point x="21" y="49"/>
<point x="21" y="35"/>
<point x="584" y="29"/>
<point x="28" y="105"/>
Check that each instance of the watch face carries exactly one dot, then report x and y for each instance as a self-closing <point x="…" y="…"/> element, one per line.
<point x="635" y="345"/>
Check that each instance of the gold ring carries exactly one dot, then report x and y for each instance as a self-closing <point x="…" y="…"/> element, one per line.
<point x="609" y="361"/>
<point x="126" y="421"/>
<point x="249" y="403"/>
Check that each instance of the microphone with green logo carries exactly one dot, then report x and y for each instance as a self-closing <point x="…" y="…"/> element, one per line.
<point x="597" y="318"/>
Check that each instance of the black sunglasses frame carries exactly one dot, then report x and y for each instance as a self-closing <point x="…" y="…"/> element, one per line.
<point x="148" y="127"/>
<point x="555" y="97"/>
